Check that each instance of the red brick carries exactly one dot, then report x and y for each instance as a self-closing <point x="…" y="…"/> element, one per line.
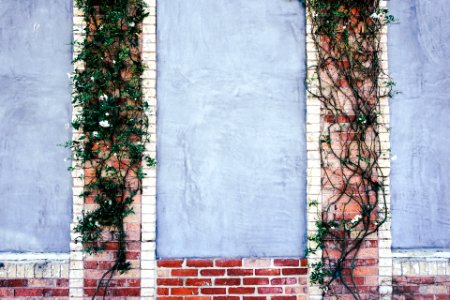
<point x="13" y="282"/>
<point x="283" y="281"/>
<point x="287" y="262"/>
<point x="214" y="291"/>
<point x="227" y="281"/>
<point x="198" y="282"/>
<point x="184" y="272"/>
<point x="197" y="298"/>
<point x="133" y="255"/>
<point x="91" y="291"/>
<point x="283" y="298"/>
<point x="90" y="264"/>
<point x="56" y="292"/>
<point x="62" y="282"/>
<point x="21" y="292"/>
<point x="90" y="282"/>
<point x="6" y="292"/>
<point x="227" y="298"/>
<point x="170" y="298"/>
<point x="169" y="281"/>
<point x="294" y="290"/>
<point x="241" y="290"/>
<point x="254" y="298"/>
<point x="295" y="271"/>
<point x="228" y="263"/>
<point x="270" y="290"/>
<point x="268" y="272"/>
<point x="256" y="281"/>
<point x="126" y="292"/>
<point x="365" y="271"/>
<point x="240" y="272"/>
<point x="184" y="291"/>
<point x="162" y="291"/>
<point x="199" y="263"/>
<point x="173" y="263"/>
<point x="212" y="272"/>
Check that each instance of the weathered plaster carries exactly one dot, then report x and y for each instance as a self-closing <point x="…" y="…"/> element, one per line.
<point x="231" y="128"/>
<point x="420" y="134"/>
<point x="35" y="114"/>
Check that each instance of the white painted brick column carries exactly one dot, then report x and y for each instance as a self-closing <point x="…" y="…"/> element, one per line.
<point x="76" y="269"/>
<point x="314" y="171"/>
<point x="384" y="234"/>
<point x="148" y="246"/>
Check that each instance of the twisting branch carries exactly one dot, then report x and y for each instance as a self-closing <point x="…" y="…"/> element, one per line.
<point x="113" y="123"/>
<point x="347" y="38"/>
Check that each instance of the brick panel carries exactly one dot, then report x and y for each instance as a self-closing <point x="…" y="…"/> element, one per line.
<point x="232" y="279"/>
<point x="421" y="287"/>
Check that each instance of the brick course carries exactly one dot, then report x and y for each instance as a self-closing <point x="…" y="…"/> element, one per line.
<point x="41" y="279"/>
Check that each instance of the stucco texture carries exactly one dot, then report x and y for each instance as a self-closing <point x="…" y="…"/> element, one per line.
<point x="35" y="114"/>
<point x="231" y="128"/>
<point x="419" y="52"/>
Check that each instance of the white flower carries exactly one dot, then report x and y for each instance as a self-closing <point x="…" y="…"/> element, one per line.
<point x="104" y="124"/>
<point x="374" y="16"/>
<point x="103" y="97"/>
<point x="356" y="219"/>
<point x="106" y="114"/>
<point x="113" y="61"/>
<point x="131" y="24"/>
<point x="92" y="78"/>
<point x="95" y="133"/>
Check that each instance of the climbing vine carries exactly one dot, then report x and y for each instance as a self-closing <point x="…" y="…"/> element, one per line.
<point x="112" y="118"/>
<point x="348" y="81"/>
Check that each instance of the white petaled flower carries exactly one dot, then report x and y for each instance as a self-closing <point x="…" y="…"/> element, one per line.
<point x="106" y="114"/>
<point x="103" y="97"/>
<point x="356" y="219"/>
<point x="95" y="133"/>
<point x="113" y="61"/>
<point x="374" y="16"/>
<point x="104" y="124"/>
<point x="131" y="24"/>
<point x="92" y="78"/>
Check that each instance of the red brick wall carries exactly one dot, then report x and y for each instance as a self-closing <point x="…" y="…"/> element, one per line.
<point x="232" y="279"/>
<point x="128" y="284"/>
<point x="421" y="287"/>
<point x="32" y="288"/>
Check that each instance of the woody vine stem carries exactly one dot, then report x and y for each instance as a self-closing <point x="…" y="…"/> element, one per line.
<point x="112" y="121"/>
<point x="349" y="81"/>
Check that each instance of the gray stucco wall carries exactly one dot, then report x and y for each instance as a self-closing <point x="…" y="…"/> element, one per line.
<point x="419" y="53"/>
<point x="35" y="112"/>
<point x="231" y="128"/>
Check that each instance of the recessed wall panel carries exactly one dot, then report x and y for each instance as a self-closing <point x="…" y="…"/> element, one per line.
<point x="231" y="128"/>
<point x="35" y="113"/>
<point x="419" y="53"/>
